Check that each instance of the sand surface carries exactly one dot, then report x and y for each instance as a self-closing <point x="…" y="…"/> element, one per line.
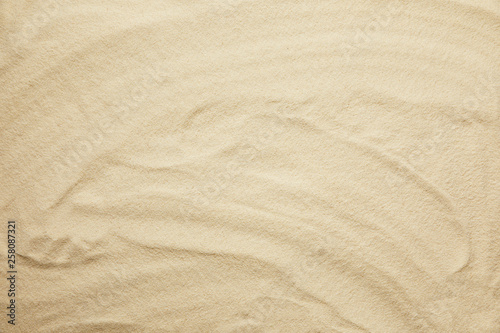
<point x="251" y="166"/>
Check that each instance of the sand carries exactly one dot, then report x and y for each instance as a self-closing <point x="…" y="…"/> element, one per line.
<point x="251" y="166"/>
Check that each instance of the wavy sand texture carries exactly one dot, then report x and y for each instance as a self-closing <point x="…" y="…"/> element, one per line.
<point x="251" y="166"/>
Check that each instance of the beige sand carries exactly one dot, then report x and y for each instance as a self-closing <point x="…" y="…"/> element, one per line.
<point x="251" y="166"/>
